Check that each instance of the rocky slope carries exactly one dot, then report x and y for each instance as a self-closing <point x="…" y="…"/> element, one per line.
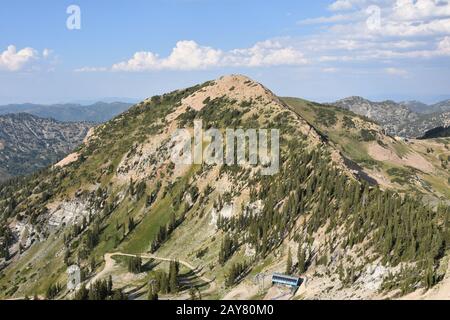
<point x="417" y="106"/>
<point x="398" y="118"/>
<point x="29" y="143"/>
<point x="420" y="107"/>
<point x="120" y="196"/>
<point x="443" y="106"/>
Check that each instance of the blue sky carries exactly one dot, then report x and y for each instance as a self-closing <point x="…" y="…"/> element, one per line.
<point x="319" y="50"/>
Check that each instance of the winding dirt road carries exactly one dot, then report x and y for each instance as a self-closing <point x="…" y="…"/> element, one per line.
<point x="109" y="265"/>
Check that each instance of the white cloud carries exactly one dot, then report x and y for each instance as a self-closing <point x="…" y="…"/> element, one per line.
<point x="417" y="28"/>
<point x="13" y="60"/>
<point x="266" y="53"/>
<point x="46" y="53"/>
<point x="188" y="55"/>
<point x="420" y="9"/>
<point x="341" y="5"/>
<point x="331" y="19"/>
<point x="398" y="18"/>
<point x="408" y="29"/>
<point x="91" y="69"/>
<point x="443" y="47"/>
<point x="396" y="72"/>
<point x="330" y="70"/>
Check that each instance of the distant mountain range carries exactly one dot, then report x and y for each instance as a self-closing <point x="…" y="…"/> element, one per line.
<point x="32" y="136"/>
<point x="401" y="119"/>
<point x="70" y="112"/>
<point x="28" y="143"/>
<point x="420" y="107"/>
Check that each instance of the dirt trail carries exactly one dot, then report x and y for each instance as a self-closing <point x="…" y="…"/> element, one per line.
<point x="109" y="266"/>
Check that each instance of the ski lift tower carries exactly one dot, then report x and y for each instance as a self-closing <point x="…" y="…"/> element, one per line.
<point x="259" y="281"/>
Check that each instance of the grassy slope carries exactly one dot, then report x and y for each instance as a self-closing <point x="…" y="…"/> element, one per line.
<point x="330" y="121"/>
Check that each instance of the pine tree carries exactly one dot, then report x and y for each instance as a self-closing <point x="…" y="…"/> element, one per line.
<point x="173" y="277"/>
<point x="301" y="256"/>
<point x="135" y="264"/>
<point x="131" y="224"/>
<point x="92" y="264"/>
<point x="110" y="285"/>
<point x="289" y="262"/>
<point x="227" y="248"/>
<point x="52" y="291"/>
<point x="152" y="295"/>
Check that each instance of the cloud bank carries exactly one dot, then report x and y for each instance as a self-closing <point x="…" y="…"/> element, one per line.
<point x="189" y="55"/>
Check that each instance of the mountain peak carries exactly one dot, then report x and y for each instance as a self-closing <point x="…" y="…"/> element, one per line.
<point x="238" y="78"/>
<point x="353" y="99"/>
<point x="235" y="87"/>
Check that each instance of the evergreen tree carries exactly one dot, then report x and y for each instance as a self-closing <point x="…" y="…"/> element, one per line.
<point x="52" y="291"/>
<point x="82" y="294"/>
<point x="152" y="295"/>
<point x="301" y="257"/>
<point x="135" y="264"/>
<point x="173" y="277"/>
<point x="131" y="224"/>
<point x="110" y="285"/>
<point x="289" y="262"/>
<point x="92" y="264"/>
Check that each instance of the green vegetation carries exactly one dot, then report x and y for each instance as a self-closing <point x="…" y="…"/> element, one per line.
<point x="368" y="135"/>
<point x="100" y="290"/>
<point x="289" y="262"/>
<point x="227" y="248"/>
<point x="166" y="283"/>
<point x="236" y="273"/>
<point x="52" y="291"/>
<point x="135" y="264"/>
<point x="326" y="117"/>
<point x="401" y="176"/>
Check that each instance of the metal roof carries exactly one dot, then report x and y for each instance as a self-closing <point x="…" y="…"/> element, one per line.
<point x="284" y="276"/>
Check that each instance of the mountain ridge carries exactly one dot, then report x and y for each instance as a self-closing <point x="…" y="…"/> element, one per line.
<point x="397" y="119"/>
<point x="69" y="112"/>
<point x="123" y="194"/>
<point x="29" y="143"/>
